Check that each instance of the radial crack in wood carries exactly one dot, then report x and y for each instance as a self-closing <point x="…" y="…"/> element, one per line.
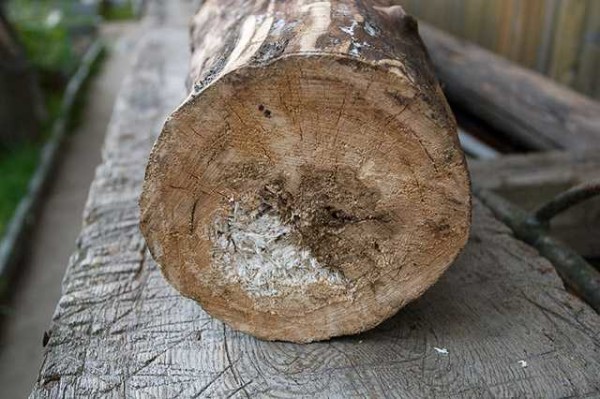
<point x="312" y="183"/>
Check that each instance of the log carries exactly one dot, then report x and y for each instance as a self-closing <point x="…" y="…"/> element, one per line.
<point x="529" y="108"/>
<point x="312" y="183"/>
<point x="120" y="331"/>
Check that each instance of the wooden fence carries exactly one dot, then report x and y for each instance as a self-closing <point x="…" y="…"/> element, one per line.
<point x="559" y="38"/>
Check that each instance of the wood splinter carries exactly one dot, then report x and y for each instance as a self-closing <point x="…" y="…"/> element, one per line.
<point x="312" y="183"/>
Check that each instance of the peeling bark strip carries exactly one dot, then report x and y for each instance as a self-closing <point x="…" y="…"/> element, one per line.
<point x="312" y="183"/>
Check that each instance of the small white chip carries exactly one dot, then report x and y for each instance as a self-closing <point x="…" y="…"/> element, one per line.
<point x="441" y="351"/>
<point x="523" y="363"/>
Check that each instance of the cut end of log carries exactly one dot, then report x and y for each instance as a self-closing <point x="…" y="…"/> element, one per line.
<point x="312" y="183"/>
<point x="308" y="199"/>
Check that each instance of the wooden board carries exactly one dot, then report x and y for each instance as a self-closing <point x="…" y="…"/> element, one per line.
<point x="120" y="331"/>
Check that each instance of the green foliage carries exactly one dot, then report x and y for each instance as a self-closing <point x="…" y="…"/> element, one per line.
<point x="119" y="12"/>
<point x="53" y="101"/>
<point x="19" y="161"/>
<point x="45" y="29"/>
<point x="48" y="49"/>
<point x="17" y="165"/>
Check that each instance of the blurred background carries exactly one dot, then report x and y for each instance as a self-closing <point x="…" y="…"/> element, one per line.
<point x="42" y="43"/>
<point x="558" y="38"/>
<point x="61" y="66"/>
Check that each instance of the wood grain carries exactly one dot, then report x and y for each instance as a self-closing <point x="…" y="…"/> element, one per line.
<point x="588" y="78"/>
<point x="568" y="41"/>
<point x="531" y="109"/>
<point x="120" y="331"/>
<point x="312" y="183"/>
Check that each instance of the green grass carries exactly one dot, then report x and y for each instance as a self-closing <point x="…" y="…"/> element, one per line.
<point x="48" y="44"/>
<point x="50" y="51"/>
<point x="19" y="161"/>
<point x="17" y="165"/>
<point x="119" y="13"/>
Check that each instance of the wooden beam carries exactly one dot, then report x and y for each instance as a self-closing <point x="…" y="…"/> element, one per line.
<point x="529" y="108"/>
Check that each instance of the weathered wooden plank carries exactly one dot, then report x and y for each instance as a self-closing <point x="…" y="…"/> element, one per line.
<point x="531" y="29"/>
<point x="588" y="78"/>
<point x="530" y="180"/>
<point x="545" y="46"/>
<point x="120" y="331"/>
<point x="568" y="40"/>
<point x="472" y="19"/>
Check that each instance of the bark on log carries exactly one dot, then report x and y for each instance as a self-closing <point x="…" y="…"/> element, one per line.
<point x="312" y="183"/>
<point x="528" y="107"/>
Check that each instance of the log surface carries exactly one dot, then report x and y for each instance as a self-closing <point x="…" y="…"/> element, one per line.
<point x="312" y="184"/>
<point x="121" y="331"/>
